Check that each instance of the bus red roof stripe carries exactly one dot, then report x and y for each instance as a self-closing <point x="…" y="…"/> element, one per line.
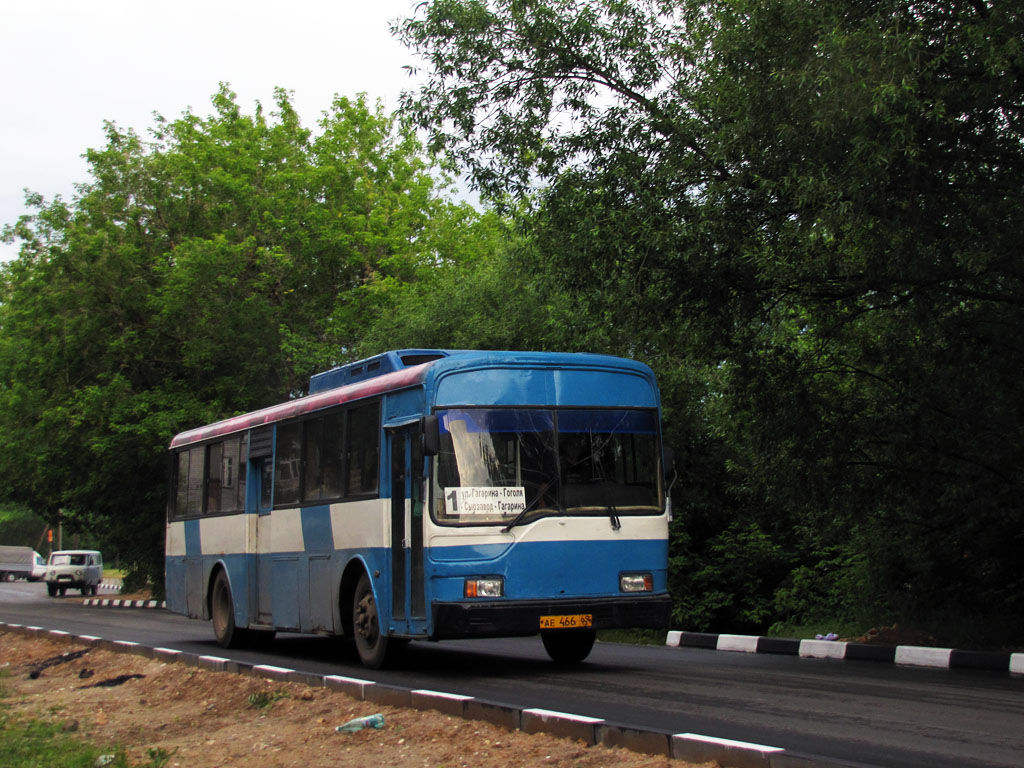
<point x="375" y="386"/>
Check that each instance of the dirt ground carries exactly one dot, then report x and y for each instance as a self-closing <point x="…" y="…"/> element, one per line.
<point x="205" y="719"/>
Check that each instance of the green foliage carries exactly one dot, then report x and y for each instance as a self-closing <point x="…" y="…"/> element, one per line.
<point x="38" y="744"/>
<point x="41" y="744"/>
<point x="265" y="699"/>
<point x="834" y="585"/>
<point x="202" y="272"/>
<point x="805" y="215"/>
<point x="730" y="587"/>
<point x="20" y="526"/>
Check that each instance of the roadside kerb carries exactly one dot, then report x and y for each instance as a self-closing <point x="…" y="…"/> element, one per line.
<point x="589" y="730"/>
<point x="704" y="749"/>
<point x="453" y="704"/>
<point x="562" y="724"/>
<point x="903" y="655"/>
<point x="350" y="686"/>
<point x="106" y="602"/>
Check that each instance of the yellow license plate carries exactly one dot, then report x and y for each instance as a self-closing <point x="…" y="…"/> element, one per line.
<point x="575" y="621"/>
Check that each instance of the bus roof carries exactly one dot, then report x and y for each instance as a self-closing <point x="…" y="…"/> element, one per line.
<point x="385" y="373"/>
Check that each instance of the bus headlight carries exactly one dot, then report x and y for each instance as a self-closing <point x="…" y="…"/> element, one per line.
<point x="636" y="582"/>
<point x="490" y="586"/>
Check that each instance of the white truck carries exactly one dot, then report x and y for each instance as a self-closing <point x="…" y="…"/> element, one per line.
<point x="21" y="563"/>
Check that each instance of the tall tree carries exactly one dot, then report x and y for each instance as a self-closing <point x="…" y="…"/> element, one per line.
<point x="204" y="271"/>
<point x="815" y="205"/>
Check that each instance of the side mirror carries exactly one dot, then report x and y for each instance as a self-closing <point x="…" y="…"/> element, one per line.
<point x="669" y="460"/>
<point x="430" y="433"/>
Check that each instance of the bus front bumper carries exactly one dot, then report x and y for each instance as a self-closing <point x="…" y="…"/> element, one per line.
<point x="512" y="618"/>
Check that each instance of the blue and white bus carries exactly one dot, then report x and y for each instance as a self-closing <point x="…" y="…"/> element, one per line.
<point x="429" y="494"/>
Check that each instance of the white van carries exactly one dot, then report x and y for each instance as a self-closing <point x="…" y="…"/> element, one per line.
<point x="73" y="569"/>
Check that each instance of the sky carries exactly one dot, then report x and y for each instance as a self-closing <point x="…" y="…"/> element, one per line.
<point x="66" y="66"/>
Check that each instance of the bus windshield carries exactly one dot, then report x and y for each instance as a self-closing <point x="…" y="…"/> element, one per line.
<point x="501" y="465"/>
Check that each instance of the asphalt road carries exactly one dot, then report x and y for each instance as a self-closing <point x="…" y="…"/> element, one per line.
<point x="864" y="712"/>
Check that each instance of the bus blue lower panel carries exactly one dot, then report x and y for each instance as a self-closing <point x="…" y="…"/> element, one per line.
<point x="301" y="590"/>
<point x="551" y="569"/>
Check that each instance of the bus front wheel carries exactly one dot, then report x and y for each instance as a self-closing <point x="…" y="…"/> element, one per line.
<point x="568" y="646"/>
<point x="371" y="642"/>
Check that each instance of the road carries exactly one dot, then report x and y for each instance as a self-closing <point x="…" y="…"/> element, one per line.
<point x="865" y="712"/>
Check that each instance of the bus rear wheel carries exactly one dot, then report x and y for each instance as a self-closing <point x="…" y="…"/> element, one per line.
<point x="568" y="646"/>
<point x="371" y="643"/>
<point x="222" y="611"/>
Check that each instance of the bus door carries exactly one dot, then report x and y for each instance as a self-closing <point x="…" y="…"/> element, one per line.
<point x="261" y="487"/>
<point x="408" y="600"/>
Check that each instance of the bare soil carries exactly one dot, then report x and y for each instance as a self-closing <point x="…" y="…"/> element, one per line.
<point x="207" y="719"/>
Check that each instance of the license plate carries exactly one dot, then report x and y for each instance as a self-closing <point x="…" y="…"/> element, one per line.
<point x="575" y="621"/>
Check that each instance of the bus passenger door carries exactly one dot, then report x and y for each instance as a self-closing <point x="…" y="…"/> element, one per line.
<point x="408" y="604"/>
<point x="259" y="504"/>
<point x="265" y="476"/>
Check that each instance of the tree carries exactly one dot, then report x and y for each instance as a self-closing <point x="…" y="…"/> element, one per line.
<point x="813" y="205"/>
<point x="205" y="271"/>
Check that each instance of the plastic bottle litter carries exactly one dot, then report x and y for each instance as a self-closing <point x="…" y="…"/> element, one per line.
<point x="830" y="636"/>
<point x="370" y="721"/>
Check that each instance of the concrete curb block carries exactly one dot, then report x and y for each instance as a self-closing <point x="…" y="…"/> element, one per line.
<point x="453" y="704"/>
<point x="590" y="730"/>
<point x="562" y="724"/>
<point x="1017" y="663"/>
<point x="740" y="754"/>
<point x="350" y="686"/>
<point x="904" y="655"/>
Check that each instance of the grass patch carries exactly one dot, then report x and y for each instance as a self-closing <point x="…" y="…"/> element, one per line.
<point x="266" y="699"/>
<point x="633" y="636"/>
<point x="39" y="744"/>
<point x="809" y="630"/>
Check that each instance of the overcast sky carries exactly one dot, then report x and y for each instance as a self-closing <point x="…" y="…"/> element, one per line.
<point x="66" y="66"/>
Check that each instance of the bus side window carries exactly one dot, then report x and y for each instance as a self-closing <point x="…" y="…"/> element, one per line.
<point x="194" y="482"/>
<point x="363" y="449"/>
<point x="231" y="474"/>
<point x="288" y="464"/>
<point x="181" y="485"/>
<point x="214" y="479"/>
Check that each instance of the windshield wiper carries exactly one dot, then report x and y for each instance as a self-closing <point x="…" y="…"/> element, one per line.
<point x="531" y="506"/>
<point x="519" y="518"/>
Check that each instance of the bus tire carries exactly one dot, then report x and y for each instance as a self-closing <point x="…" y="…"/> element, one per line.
<point x="8" y="576"/>
<point x="568" y="646"/>
<point x="371" y="642"/>
<point x="222" y="614"/>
